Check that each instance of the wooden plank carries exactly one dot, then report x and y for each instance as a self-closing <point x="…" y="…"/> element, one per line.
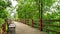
<point x="51" y="25"/>
<point x="51" y="20"/>
<point x="32" y="23"/>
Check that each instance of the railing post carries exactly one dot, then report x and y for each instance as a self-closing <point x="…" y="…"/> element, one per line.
<point x="32" y="23"/>
<point x="41" y="29"/>
<point x="25" y="21"/>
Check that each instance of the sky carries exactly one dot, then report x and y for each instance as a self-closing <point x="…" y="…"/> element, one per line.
<point x="14" y="3"/>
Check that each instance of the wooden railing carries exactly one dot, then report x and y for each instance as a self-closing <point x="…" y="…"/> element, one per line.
<point x="51" y="25"/>
<point x="40" y="26"/>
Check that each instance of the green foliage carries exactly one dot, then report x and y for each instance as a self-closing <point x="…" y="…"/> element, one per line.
<point x="1" y="21"/>
<point x="3" y="12"/>
<point x="27" y="9"/>
<point x="3" y="6"/>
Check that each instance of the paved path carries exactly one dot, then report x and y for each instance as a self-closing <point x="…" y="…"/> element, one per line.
<point x="25" y="29"/>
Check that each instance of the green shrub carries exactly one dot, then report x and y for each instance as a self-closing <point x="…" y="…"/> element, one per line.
<point x="1" y="21"/>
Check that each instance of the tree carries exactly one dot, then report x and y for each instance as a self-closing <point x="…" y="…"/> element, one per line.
<point x="3" y="6"/>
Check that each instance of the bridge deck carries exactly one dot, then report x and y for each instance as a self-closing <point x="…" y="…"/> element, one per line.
<point x="25" y="29"/>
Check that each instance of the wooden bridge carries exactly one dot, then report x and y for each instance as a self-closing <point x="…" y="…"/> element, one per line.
<point x="25" y="29"/>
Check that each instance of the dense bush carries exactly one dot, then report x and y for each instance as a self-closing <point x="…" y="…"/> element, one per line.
<point x="1" y="22"/>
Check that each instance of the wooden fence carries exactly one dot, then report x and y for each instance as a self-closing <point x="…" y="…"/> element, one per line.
<point x="40" y="24"/>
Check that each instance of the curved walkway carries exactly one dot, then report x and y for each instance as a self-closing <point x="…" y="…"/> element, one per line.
<point x="25" y="29"/>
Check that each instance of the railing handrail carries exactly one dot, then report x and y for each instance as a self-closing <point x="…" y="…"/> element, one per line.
<point x="46" y="24"/>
